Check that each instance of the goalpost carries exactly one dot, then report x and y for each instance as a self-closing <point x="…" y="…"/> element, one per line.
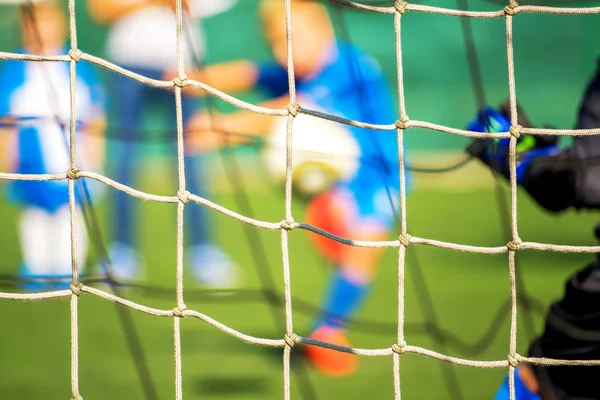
<point x="183" y="196"/>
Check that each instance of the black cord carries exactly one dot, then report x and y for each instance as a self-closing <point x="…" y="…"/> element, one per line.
<point x="472" y="59"/>
<point x="522" y="294"/>
<point x="303" y="307"/>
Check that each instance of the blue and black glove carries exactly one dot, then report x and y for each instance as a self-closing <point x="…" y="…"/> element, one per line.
<point x="495" y="151"/>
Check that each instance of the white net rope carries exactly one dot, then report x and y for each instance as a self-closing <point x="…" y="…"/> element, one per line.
<point x="183" y="196"/>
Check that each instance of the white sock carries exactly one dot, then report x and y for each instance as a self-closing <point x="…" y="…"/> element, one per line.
<point x="61" y="241"/>
<point x="34" y="232"/>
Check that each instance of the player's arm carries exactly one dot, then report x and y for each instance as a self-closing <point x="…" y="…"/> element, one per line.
<point x="8" y="145"/>
<point x="207" y="132"/>
<point x="556" y="179"/>
<point x="108" y="11"/>
<point x="542" y="169"/>
<point x="92" y="142"/>
<point x="208" y="8"/>
<point x="9" y="79"/>
<point x="228" y="77"/>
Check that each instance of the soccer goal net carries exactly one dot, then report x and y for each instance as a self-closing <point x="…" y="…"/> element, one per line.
<point x="395" y="351"/>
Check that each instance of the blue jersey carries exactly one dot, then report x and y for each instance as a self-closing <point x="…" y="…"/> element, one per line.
<point x="37" y="95"/>
<point x="352" y="86"/>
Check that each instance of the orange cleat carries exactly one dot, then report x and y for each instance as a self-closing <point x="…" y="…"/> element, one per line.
<point x="331" y="362"/>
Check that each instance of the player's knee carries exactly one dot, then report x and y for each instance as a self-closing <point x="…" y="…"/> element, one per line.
<point x="330" y="212"/>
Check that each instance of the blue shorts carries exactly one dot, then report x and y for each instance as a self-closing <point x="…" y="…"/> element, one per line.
<point x="47" y="195"/>
<point x="376" y="195"/>
<point x="374" y="205"/>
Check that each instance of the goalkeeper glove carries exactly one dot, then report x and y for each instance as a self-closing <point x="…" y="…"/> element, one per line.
<point x="494" y="152"/>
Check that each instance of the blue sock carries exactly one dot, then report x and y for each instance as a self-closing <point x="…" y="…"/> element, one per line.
<point x="344" y="297"/>
<point x="197" y="229"/>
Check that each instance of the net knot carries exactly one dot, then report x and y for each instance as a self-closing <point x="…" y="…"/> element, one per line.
<point x="514" y="359"/>
<point x="515" y="131"/>
<point x="405" y="239"/>
<point x="514" y="245"/>
<point x="290" y="339"/>
<point x="76" y="288"/>
<point x="287" y="224"/>
<point x="73" y="173"/>
<point x="293" y="109"/>
<point x="511" y="9"/>
<point x="184" y="196"/>
<point x="402" y="123"/>
<point x="75" y="54"/>
<point x="180" y="81"/>
<point x="179" y="311"/>
<point x="400" y="6"/>
<point x="399" y="348"/>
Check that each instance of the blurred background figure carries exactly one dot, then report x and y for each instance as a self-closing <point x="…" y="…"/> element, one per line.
<point x="142" y="39"/>
<point x="337" y="78"/>
<point x="34" y="104"/>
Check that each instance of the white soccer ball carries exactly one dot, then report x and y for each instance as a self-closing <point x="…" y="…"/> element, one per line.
<point x="324" y="152"/>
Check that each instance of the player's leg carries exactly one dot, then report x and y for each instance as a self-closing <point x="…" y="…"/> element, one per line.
<point x="197" y="231"/>
<point x="348" y="288"/>
<point x="351" y="279"/>
<point x="35" y="232"/>
<point x="209" y="264"/>
<point x="356" y="266"/>
<point x="61" y="242"/>
<point x="128" y="102"/>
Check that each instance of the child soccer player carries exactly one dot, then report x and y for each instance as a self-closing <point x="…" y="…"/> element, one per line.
<point x="557" y="180"/>
<point x="340" y="79"/>
<point x="142" y="39"/>
<point x="34" y="100"/>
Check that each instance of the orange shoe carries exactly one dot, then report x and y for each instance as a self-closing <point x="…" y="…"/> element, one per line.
<point x="331" y="362"/>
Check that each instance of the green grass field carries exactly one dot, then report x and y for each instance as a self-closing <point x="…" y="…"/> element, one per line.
<point x="467" y="291"/>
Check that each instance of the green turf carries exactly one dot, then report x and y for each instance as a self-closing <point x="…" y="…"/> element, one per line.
<point x="467" y="291"/>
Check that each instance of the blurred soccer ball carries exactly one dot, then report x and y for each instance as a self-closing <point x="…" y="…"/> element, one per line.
<point x="323" y="153"/>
